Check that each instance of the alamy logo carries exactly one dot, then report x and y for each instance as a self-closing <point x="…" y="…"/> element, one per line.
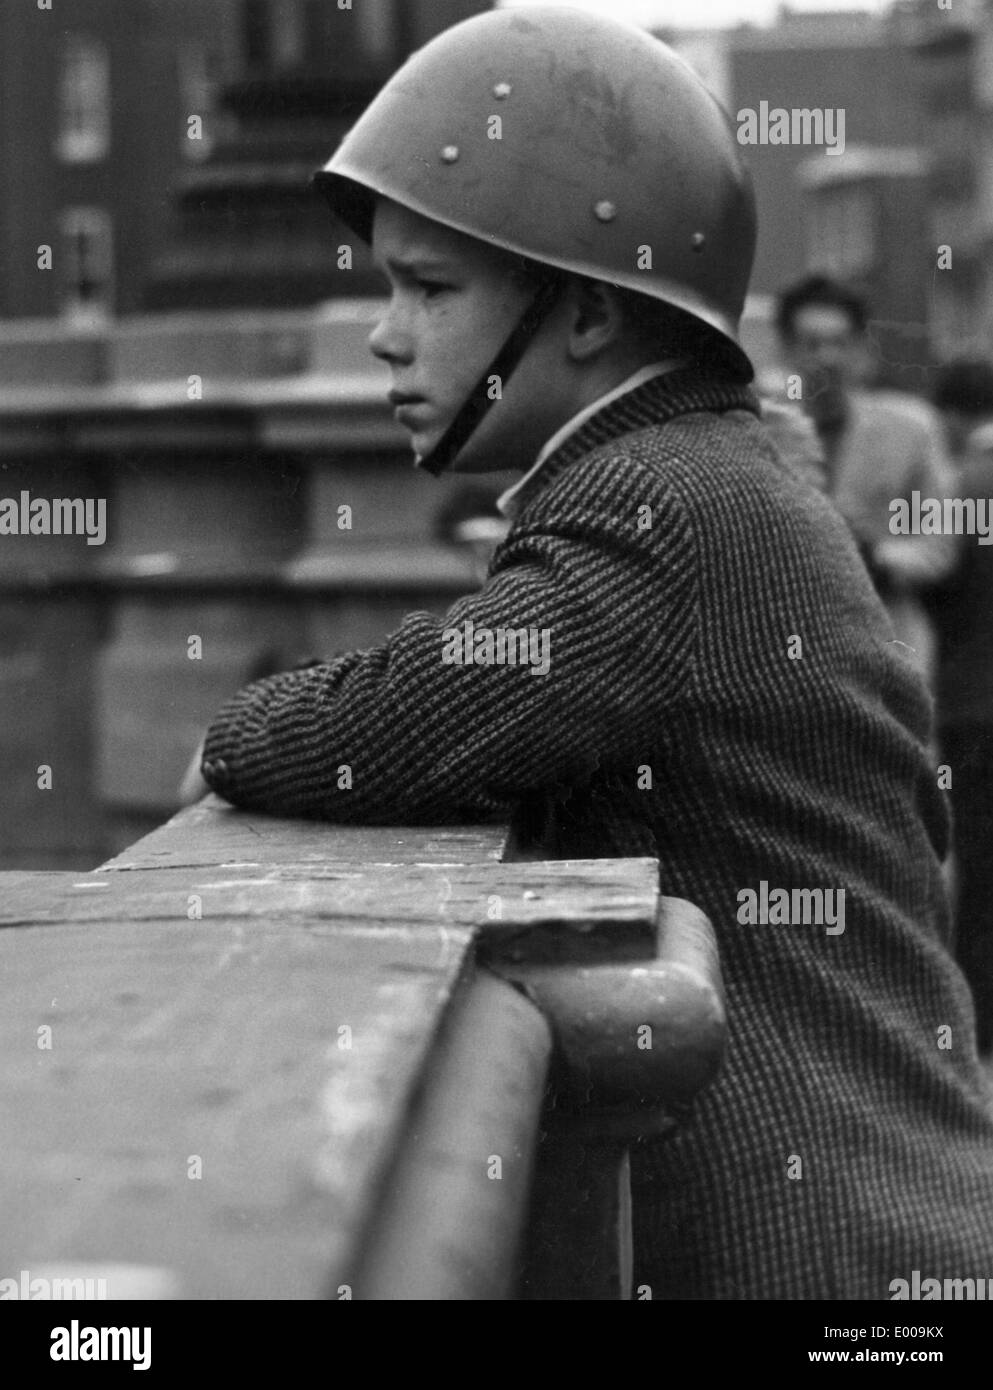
<point x="54" y="516"/>
<point x="75" y="1343"/>
<point x="497" y="646"/>
<point x="942" y="516"/>
<point x="797" y="907"/>
<point x="928" y="1289"/>
<point x="800" y="125"/>
<point x="41" y="1286"/>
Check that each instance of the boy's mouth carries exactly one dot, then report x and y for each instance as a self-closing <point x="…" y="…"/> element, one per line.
<point x="407" y="406"/>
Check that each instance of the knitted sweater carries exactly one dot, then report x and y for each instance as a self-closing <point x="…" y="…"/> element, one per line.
<point x="709" y="623"/>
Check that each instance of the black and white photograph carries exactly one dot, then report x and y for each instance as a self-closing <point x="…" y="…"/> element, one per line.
<point x="496" y="670"/>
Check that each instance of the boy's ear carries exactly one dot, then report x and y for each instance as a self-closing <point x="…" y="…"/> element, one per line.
<point x="597" y="319"/>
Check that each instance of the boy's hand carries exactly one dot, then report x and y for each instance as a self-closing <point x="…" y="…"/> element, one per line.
<point x="193" y="787"/>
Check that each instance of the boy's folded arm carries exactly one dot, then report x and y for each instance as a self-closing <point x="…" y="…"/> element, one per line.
<point x="431" y="727"/>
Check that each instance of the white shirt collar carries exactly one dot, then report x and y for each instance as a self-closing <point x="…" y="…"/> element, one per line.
<point x="507" y="501"/>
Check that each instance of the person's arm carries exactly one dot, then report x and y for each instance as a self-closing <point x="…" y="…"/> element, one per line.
<point x="193" y="788"/>
<point x="396" y="734"/>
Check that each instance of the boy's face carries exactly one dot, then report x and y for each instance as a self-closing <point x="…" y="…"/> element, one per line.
<point x="453" y="301"/>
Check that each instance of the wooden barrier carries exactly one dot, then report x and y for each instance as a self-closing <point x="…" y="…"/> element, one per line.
<point x="256" y="1058"/>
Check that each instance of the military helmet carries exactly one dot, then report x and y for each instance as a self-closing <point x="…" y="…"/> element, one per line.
<point x="570" y="139"/>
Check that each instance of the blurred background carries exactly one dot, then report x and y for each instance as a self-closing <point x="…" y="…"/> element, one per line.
<point x="191" y="349"/>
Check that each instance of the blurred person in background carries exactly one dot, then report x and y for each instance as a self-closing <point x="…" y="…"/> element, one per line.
<point x="963" y="609"/>
<point x="878" y="446"/>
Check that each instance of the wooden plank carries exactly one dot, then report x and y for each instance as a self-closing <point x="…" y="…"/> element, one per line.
<point x="213" y="832"/>
<point x="573" y="909"/>
<point x="173" y="1043"/>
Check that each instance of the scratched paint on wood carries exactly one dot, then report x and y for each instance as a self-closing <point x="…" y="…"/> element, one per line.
<point x="212" y="832"/>
<point x="577" y="907"/>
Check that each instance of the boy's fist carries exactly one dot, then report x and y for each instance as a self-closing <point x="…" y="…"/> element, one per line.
<point x="193" y="787"/>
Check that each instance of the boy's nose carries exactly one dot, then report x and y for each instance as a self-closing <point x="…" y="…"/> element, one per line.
<point x="389" y="342"/>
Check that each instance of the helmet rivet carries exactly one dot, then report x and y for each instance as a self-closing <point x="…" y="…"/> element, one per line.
<point x="697" y="240"/>
<point x="450" y="154"/>
<point x="604" y="210"/>
<point x="502" y="89"/>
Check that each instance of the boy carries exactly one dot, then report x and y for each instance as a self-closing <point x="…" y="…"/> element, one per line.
<point x="701" y="670"/>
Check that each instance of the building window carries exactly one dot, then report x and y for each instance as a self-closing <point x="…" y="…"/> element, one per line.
<point x="275" y="35"/>
<point x="287" y="35"/>
<point x="842" y="231"/>
<point x="87" y="260"/>
<point x="84" y="100"/>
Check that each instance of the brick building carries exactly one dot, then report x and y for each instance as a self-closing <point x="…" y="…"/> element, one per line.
<point x="94" y="99"/>
<point x="954" y="52"/>
<point x="859" y="212"/>
<point x="150" y="143"/>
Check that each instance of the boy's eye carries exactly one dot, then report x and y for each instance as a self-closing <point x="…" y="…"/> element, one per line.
<point x="432" y="288"/>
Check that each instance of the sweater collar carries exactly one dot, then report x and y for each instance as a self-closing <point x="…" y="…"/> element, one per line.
<point x="653" y="402"/>
<point x="506" y="502"/>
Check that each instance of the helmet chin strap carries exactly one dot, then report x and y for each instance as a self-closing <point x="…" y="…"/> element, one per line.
<point x="479" y="400"/>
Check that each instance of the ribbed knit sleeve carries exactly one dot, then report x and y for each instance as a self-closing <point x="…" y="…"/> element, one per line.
<point x="396" y="735"/>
